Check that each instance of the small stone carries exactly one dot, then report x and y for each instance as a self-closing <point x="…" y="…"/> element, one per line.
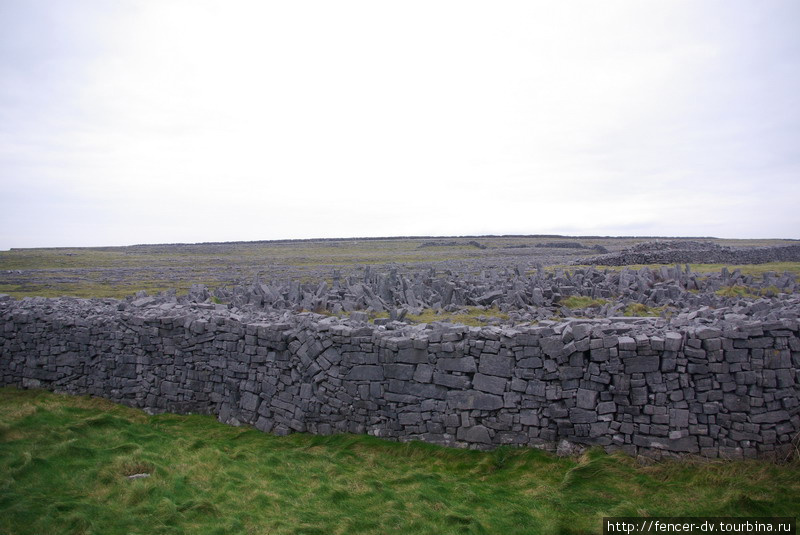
<point x="568" y="449"/>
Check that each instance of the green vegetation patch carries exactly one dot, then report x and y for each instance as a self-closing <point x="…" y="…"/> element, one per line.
<point x="576" y="302"/>
<point x="66" y="462"/>
<point x="738" y="290"/>
<point x="471" y="316"/>
<point x="638" y="309"/>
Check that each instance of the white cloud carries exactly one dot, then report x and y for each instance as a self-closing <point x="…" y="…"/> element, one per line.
<point x="195" y="121"/>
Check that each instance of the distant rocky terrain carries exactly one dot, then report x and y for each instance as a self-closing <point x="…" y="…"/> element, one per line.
<point x="673" y="292"/>
<point x="122" y="271"/>
<point x="497" y="280"/>
<point x="679" y="252"/>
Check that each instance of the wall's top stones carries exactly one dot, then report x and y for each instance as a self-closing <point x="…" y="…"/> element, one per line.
<point x="570" y="333"/>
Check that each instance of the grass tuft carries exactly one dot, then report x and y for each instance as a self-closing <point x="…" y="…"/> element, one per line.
<point x="737" y="290"/>
<point x="471" y="316"/>
<point x="577" y="302"/>
<point x="638" y="309"/>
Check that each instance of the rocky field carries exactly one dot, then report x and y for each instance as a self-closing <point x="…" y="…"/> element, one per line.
<point x="475" y="280"/>
<point x="122" y="271"/>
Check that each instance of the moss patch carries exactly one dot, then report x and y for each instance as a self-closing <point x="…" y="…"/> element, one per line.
<point x="580" y="302"/>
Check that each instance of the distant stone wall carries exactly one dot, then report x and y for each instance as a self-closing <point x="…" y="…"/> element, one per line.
<point x="644" y="388"/>
<point x="679" y="252"/>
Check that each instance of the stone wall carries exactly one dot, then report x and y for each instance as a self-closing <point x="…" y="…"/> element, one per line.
<point x="683" y="251"/>
<point x="641" y="386"/>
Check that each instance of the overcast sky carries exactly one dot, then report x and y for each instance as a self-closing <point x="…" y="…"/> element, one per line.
<point x="166" y="121"/>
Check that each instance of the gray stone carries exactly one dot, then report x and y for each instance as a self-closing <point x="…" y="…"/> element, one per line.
<point x="673" y="341"/>
<point x="429" y="391"/>
<point x="457" y="364"/>
<point x="496" y="365"/>
<point x="552" y="347"/>
<point x="586" y="399"/>
<point x="399" y="371"/>
<point x="734" y="403"/>
<point x="529" y="417"/>
<point x="582" y="416"/>
<point x="366" y="373"/>
<point x="606" y="407"/>
<point x="639" y="395"/>
<point x="412" y="355"/>
<point x="679" y="418"/>
<point x="626" y="343"/>
<point x="568" y="449"/>
<point x="249" y="401"/>
<point x="423" y="373"/>
<point x="451" y="381"/>
<point x="683" y="445"/>
<point x="473" y="399"/>
<point x="488" y="383"/>
<point x="477" y="433"/>
<point x="641" y="364"/>
<point x="704" y="333"/>
<point x="771" y="417"/>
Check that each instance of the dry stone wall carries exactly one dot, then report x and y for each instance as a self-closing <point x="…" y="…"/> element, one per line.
<point x="671" y="252"/>
<point x="641" y="386"/>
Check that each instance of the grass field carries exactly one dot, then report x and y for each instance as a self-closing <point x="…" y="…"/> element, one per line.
<point x="64" y="463"/>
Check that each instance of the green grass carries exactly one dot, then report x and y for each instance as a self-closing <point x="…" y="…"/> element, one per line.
<point x="471" y="316"/>
<point x="638" y="309"/>
<point x="738" y="290"/>
<point x="64" y="462"/>
<point x="576" y="302"/>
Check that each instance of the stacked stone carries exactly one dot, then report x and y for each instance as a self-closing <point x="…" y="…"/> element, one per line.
<point x="640" y="386"/>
